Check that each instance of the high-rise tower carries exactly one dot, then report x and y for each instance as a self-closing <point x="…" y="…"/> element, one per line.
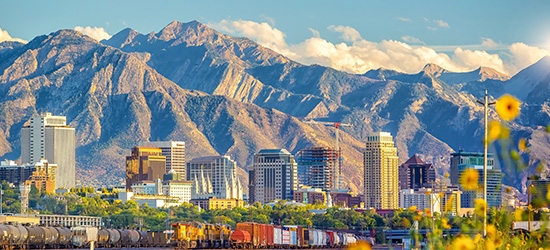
<point x="461" y="161"/>
<point x="316" y="167"/>
<point x="381" y="172"/>
<point x="274" y="176"/>
<point x="49" y="137"/>
<point x="214" y="176"/>
<point x="175" y="155"/>
<point x="145" y="164"/>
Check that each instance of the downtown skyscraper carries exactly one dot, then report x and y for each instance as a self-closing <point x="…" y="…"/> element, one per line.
<point x="273" y="176"/>
<point x="49" y="137"/>
<point x="380" y="163"/>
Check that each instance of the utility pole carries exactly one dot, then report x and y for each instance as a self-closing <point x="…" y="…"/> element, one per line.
<point x="336" y="125"/>
<point x="485" y="146"/>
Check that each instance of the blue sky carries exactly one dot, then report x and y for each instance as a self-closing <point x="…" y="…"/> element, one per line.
<point x="348" y="35"/>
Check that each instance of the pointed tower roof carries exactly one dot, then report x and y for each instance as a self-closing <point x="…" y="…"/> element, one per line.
<point x="414" y="160"/>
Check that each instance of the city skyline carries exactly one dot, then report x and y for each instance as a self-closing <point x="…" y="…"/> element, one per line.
<point x="354" y="36"/>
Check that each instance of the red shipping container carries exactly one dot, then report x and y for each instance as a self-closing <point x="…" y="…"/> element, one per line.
<point x="263" y="235"/>
<point x="300" y="236"/>
<point x="330" y="238"/>
<point x="270" y="235"/>
<point x="253" y="229"/>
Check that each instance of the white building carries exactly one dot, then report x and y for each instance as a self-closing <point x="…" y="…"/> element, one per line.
<point x="214" y="176"/>
<point x="171" y="188"/>
<point x="422" y="199"/>
<point x="49" y="137"/>
<point x="175" y="155"/>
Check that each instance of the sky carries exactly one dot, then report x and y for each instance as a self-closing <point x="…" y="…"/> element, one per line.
<point x="353" y="36"/>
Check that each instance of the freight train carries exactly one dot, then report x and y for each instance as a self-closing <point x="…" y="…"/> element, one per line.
<point x="186" y="235"/>
<point x="249" y="235"/>
<point x="39" y="237"/>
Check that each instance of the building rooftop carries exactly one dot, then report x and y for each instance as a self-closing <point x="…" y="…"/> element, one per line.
<point x="274" y="151"/>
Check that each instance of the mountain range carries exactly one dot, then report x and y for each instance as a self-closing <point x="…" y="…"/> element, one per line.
<point x="224" y="95"/>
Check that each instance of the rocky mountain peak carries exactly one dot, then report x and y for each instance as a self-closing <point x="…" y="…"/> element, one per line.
<point x="434" y="69"/>
<point x="490" y="73"/>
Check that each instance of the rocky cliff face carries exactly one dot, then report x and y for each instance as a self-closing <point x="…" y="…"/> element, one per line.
<point x="225" y="95"/>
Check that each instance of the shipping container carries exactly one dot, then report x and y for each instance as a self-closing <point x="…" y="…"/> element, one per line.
<point x="83" y="235"/>
<point x="159" y="238"/>
<point x="270" y="242"/>
<point x="253" y="229"/>
<point x="277" y="236"/>
<point x="285" y="235"/>
<point x="293" y="239"/>
<point x="263" y="235"/>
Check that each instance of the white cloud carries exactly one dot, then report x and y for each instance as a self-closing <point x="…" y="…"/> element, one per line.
<point x="403" y="19"/>
<point x="442" y="24"/>
<point x="349" y="34"/>
<point x="524" y="55"/>
<point x="489" y="43"/>
<point x="97" y="33"/>
<point x="411" y="39"/>
<point x="5" y="36"/>
<point x="262" y="33"/>
<point x="315" y="32"/>
<point x="358" y="55"/>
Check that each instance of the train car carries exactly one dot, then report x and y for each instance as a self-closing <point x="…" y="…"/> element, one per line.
<point x="124" y="238"/>
<point x="189" y="235"/>
<point x="102" y="237"/>
<point x="84" y="235"/>
<point x="144" y="239"/>
<point x="285" y="236"/>
<point x="36" y="238"/>
<point x="217" y="236"/>
<point x="240" y="239"/>
<point x="159" y="239"/>
<point x="114" y="238"/>
<point x="253" y="229"/>
<point x="65" y="236"/>
<point x="270" y="234"/>
<point x="51" y="237"/>
<point x="134" y="238"/>
<point x="350" y="239"/>
<point x="277" y="236"/>
<point x="263" y="235"/>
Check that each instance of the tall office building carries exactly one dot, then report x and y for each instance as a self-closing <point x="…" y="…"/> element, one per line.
<point x="214" y="176"/>
<point x="48" y="137"/>
<point x="415" y="174"/>
<point x="145" y="164"/>
<point x="274" y="176"/>
<point x="175" y="155"/>
<point x="316" y="167"/>
<point x="381" y="172"/>
<point x="464" y="160"/>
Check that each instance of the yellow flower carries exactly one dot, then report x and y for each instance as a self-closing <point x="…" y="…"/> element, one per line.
<point x="480" y="207"/>
<point x="463" y="243"/>
<point x="518" y="215"/>
<point x="522" y="145"/>
<point x="495" y="129"/>
<point x="469" y="179"/>
<point x="491" y="231"/>
<point x="412" y="208"/>
<point x="445" y="223"/>
<point x="360" y="245"/>
<point x="507" y="107"/>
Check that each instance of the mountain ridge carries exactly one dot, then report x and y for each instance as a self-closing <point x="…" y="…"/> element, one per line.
<point x="225" y="95"/>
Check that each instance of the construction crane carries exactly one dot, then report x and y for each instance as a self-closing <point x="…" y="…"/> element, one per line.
<point x="336" y="126"/>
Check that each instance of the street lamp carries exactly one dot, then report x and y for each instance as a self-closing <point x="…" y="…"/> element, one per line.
<point x="485" y="104"/>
